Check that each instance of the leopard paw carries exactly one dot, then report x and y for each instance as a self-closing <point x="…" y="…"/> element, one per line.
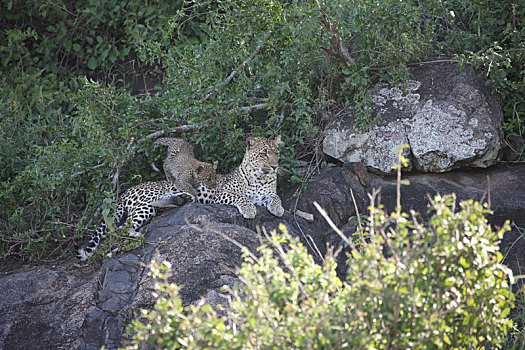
<point x="248" y="212"/>
<point x="276" y="210"/>
<point x="275" y="207"/>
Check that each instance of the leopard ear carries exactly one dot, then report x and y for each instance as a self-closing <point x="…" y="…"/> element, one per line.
<point x="215" y="164"/>
<point x="250" y="141"/>
<point x="200" y="169"/>
<point x="277" y="141"/>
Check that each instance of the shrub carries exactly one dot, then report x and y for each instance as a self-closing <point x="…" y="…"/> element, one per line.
<point x="412" y="286"/>
<point x="61" y="177"/>
<point x="52" y="129"/>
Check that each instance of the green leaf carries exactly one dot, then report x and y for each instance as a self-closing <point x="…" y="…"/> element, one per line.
<point x="92" y="63"/>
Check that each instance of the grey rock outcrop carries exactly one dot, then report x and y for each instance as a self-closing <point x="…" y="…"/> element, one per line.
<point x="449" y="118"/>
<point x="66" y="307"/>
<point x="44" y="307"/>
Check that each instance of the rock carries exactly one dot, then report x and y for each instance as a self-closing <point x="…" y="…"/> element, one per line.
<point x="514" y="148"/>
<point x="333" y="190"/>
<point x="44" y="308"/>
<point x="86" y="308"/>
<point x="202" y="243"/>
<point x="449" y="118"/>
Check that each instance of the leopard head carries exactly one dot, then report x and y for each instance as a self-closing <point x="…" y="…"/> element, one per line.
<point x="263" y="154"/>
<point x="205" y="173"/>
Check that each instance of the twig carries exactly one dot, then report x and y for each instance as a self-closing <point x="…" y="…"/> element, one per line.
<point x="178" y="129"/>
<point x="434" y="61"/>
<point x="332" y="225"/>
<point x="356" y="210"/>
<point x="304" y="215"/>
<point x="234" y="73"/>
<point x="488" y="190"/>
<point x="512" y="245"/>
<point x="337" y="41"/>
<point x="130" y="150"/>
<point x="253" y="108"/>
<point x="85" y="170"/>
<point x="154" y="167"/>
<point x="115" y="177"/>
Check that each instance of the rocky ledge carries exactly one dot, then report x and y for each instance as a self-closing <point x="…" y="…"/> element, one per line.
<point x="64" y="306"/>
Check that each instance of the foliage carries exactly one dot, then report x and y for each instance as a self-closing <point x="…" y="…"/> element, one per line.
<point x="50" y="190"/>
<point x="66" y="141"/>
<point x="87" y="35"/>
<point x="416" y="286"/>
<point x="516" y="338"/>
<point x="297" y="75"/>
<point x="56" y="125"/>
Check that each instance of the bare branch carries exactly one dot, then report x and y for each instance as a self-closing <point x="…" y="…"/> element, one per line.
<point x="131" y="150"/>
<point x="178" y="129"/>
<point x="85" y="170"/>
<point x="332" y="225"/>
<point x="115" y="177"/>
<point x="235" y="72"/>
<point x="253" y="108"/>
<point x="252" y="56"/>
<point x="154" y="167"/>
<point x="337" y="40"/>
<point x="304" y="215"/>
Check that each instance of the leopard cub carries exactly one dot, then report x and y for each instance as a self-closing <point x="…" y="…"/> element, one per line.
<point x="182" y="169"/>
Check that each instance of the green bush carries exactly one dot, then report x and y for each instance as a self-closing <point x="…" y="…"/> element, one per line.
<point x="412" y="286"/>
<point x="53" y="191"/>
<point x="88" y="35"/>
<point x="56" y="125"/>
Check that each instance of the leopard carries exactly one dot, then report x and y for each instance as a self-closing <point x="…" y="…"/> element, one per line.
<point x="253" y="182"/>
<point x="137" y="205"/>
<point x="181" y="167"/>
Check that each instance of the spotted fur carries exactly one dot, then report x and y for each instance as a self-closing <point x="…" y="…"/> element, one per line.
<point x="183" y="169"/>
<point x="253" y="182"/>
<point x="136" y="204"/>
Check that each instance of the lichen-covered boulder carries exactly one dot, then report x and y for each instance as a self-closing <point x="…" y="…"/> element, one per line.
<point x="448" y="117"/>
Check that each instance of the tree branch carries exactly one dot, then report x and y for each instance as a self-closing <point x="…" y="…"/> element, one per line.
<point x="178" y="129"/>
<point x="85" y="170"/>
<point x="232" y="75"/>
<point x="229" y="78"/>
<point x="337" y="40"/>
<point x="240" y="67"/>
